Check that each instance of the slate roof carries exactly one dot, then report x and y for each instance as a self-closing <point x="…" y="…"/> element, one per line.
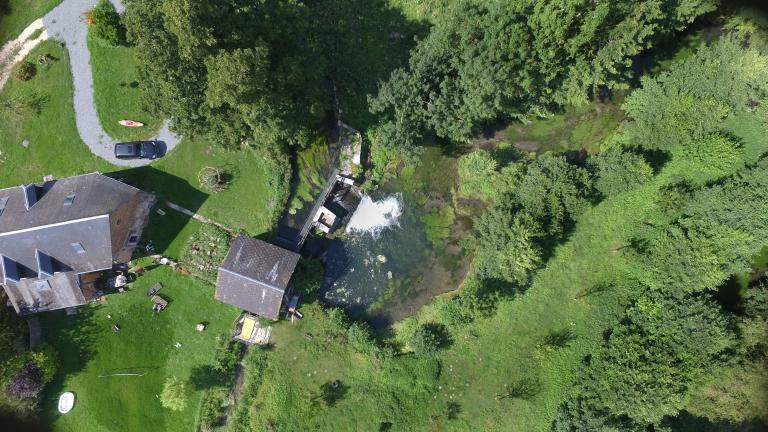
<point x="255" y="275"/>
<point x="55" y="230"/>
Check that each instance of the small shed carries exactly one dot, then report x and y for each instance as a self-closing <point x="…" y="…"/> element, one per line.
<point x="255" y="275"/>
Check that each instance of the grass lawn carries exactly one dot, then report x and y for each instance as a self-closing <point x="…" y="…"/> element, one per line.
<point x="16" y="15"/>
<point x="247" y="204"/>
<point x="508" y="347"/>
<point x="89" y="349"/>
<point x="117" y="89"/>
<point x="54" y="144"/>
<point x="55" y="148"/>
<point x="307" y="356"/>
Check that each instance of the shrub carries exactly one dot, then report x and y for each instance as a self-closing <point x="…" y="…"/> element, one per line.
<point x="227" y="357"/>
<point x="44" y="358"/>
<point x="425" y="341"/>
<point x="360" y="337"/>
<point x="211" y="414"/>
<point x="174" y="394"/>
<point x="205" y="251"/>
<point x="25" y="71"/>
<point x="476" y="170"/>
<point x="438" y="224"/>
<point x="336" y="321"/>
<point x="308" y="276"/>
<point x="454" y="312"/>
<point x="106" y="24"/>
<point x="26" y="383"/>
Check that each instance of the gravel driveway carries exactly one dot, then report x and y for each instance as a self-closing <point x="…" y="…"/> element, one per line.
<point x="66" y="23"/>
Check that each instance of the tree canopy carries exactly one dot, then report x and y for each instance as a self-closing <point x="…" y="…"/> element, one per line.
<point x="486" y="61"/>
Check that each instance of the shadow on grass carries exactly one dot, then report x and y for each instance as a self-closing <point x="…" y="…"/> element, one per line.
<point x="163" y="229"/>
<point x="74" y="337"/>
<point x="11" y="421"/>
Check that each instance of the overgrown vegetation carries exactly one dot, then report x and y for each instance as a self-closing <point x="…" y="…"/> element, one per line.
<point x="205" y="251"/>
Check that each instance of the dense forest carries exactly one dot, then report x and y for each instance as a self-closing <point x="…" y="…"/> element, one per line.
<point x="647" y="249"/>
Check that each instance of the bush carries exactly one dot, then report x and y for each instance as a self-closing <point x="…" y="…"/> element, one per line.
<point x="211" y="414"/>
<point x="425" y="341"/>
<point x="360" y="337"/>
<point x="227" y="357"/>
<point x="455" y="312"/>
<point x="25" y="71"/>
<point x="106" y="24"/>
<point x="438" y="224"/>
<point x="174" y="394"/>
<point x="308" y="276"/>
<point x="44" y="358"/>
<point x="336" y="321"/>
<point x="205" y="251"/>
<point x="476" y="170"/>
<point x="26" y="383"/>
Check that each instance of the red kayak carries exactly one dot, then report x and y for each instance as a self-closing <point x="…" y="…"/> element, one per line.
<point x="131" y="123"/>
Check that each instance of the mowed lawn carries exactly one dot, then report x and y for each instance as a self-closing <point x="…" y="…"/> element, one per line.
<point x="54" y="146"/>
<point x="91" y="354"/>
<point x="247" y="204"/>
<point x="117" y="90"/>
<point x="16" y="15"/>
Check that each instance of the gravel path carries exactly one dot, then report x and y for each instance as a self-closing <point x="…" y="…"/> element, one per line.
<point x="66" y="23"/>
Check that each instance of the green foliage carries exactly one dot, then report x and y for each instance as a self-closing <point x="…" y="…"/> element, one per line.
<point x="308" y="276"/>
<point x="508" y="248"/>
<point x="664" y="346"/>
<point x="554" y="193"/>
<point x="25" y="71"/>
<point x="360" y="337"/>
<point x="384" y="157"/>
<point x="214" y="179"/>
<point x="617" y="171"/>
<point x="425" y="341"/>
<point x="476" y="171"/>
<point x="44" y="357"/>
<point x="174" y="394"/>
<point x="227" y="357"/>
<point x="336" y="322"/>
<point x="485" y="61"/>
<point x="717" y="235"/>
<point x="546" y="201"/>
<point x="106" y="25"/>
<point x="193" y="55"/>
<point x="690" y="101"/>
<point x="438" y="224"/>
<point x="205" y="251"/>
<point x="712" y="155"/>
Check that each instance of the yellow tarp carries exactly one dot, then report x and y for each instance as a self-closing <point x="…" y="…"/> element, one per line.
<point x="247" y="330"/>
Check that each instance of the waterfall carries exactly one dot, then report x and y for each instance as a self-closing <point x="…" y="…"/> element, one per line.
<point x="372" y="217"/>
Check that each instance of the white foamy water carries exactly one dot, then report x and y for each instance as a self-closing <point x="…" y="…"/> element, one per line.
<point x="371" y="217"/>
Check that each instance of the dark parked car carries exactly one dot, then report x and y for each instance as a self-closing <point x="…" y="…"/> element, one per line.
<point x="137" y="150"/>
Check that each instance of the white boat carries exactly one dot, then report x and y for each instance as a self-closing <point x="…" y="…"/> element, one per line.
<point x="66" y="402"/>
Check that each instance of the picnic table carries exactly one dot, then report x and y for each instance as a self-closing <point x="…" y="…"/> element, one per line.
<point x="155" y="289"/>
<point x="159" y="303"/>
